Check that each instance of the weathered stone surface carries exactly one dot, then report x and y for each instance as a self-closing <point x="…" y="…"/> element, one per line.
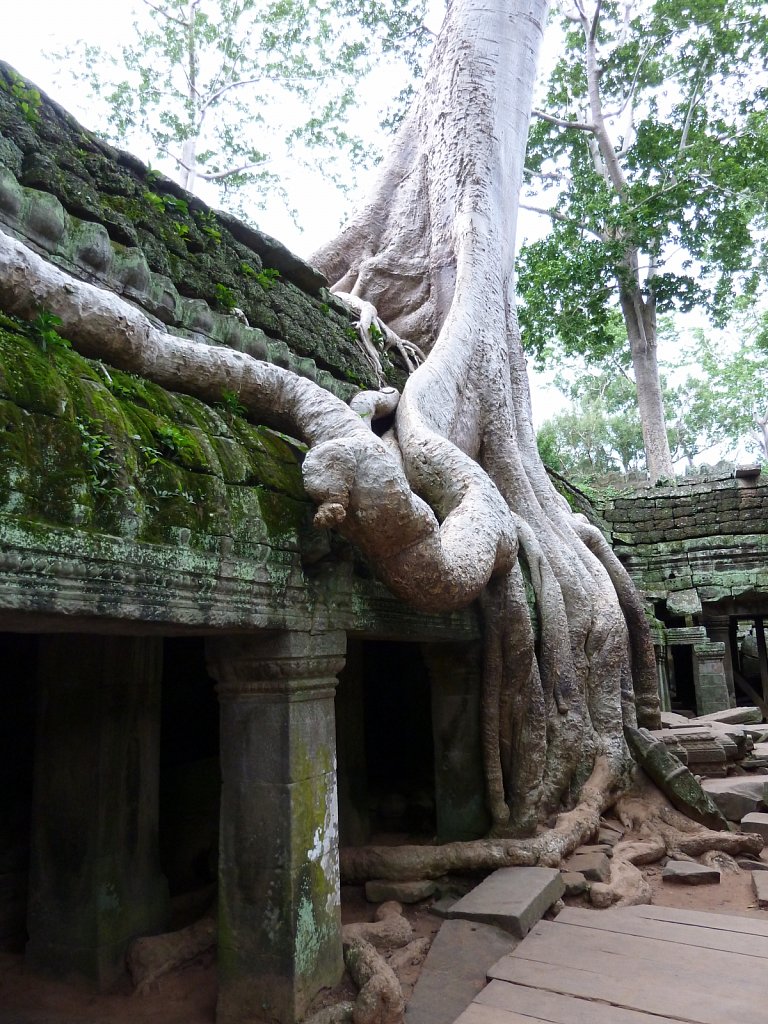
<point x="670" y="720"/>
<point x="512" y="898"/>
<point x="686" y="872"/>
<point x="594" y="866"/>
<point x="736" y="796"/>
<point x="575" y="883"/>
<point x="674" y="779"/>
<point x="731" y="716"/>
<point x="279" y="905"/>
<point x="380" y="890"/>
<point x="455" y="970"/>
<point x="751" y="865"/>
<point x="609" y="835"/>
<point x="756" y="821"/>
<point x="604" y="848"/>
<point x="760" y="885"/>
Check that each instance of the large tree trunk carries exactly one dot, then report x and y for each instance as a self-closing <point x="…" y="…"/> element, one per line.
<point x="640" y="320"/>
<point x="432" y="249"/>
<point x="454" y="503"/>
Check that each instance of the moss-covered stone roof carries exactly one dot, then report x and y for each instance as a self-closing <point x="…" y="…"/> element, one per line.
<point x="104" y="216"/>
<point x="87" y="446"/>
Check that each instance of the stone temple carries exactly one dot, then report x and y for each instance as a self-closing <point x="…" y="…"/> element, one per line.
<point x="201" y="692"/>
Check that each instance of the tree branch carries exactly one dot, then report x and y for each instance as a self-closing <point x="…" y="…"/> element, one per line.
<point x="225" y="88"/>
<point x="562" y="123"/>
<point x="164" y="14"/>
<point x="563" y="219"/>
<point x="220" y="175"/>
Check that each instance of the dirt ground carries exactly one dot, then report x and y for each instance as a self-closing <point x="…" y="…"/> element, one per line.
<point x="189" y="996"/>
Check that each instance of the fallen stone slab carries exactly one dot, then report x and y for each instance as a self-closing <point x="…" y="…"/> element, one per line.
<point x="760" y="885"/>
<point x="759" y="733"/>
<point x="689" y="873"/>
<point x="751" y="865"/>
<point x="607" y="837"/>
<point x="455" y="970"/>
<point x="670" y="720"/>
<point x="674" y="780"/>
<point x="732" y="716"/>
<point x="576" y="883"/>
<point x="606" y="848"/>
<point x="514" y="899"/>
<point x="756" y="821"/>
<point x="594" y="866"/>
<point x="737" y="795"/>
<point x="380" y="890"/>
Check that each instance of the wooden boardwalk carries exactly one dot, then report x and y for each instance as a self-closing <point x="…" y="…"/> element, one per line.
<point x="635" y="965"/>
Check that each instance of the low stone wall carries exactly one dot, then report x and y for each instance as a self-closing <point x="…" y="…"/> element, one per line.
<point x="702" y="541"/>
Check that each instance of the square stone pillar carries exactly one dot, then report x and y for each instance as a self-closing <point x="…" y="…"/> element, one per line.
<point x="456" y="687"/>
<point x="95" y="881"/>
<point x="279" y="906"/>
<point x="709" y="678"/>
<point x="724" y="631"/>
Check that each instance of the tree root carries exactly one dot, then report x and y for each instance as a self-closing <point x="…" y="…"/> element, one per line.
<point x="380" y="1000"/>
<point x="627" y="887"/>
<point x="401" y="863"/>
<point x="389" y="930"/>
<point x="371" y="328"/>
<point x="659" y="830"/>
<point x="152" y="956"/>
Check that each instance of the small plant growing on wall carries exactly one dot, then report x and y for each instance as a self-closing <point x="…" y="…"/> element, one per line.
<point x="45" y="334"/>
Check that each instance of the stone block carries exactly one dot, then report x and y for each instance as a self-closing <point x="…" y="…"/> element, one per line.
<point x="514" y="899"/>
<point x="381" y="890"/>
<point x="760" y="885"/>
<point x="757" y="822"/>
<point x="731" y="716"/>
<point x="685" y="872"/>
<point x="605" y="848"/>
<point x="455" y="970"/>
<point x="575" y="883"/>
<point x="594" y="866"/>
<point x="751" y="865"/>
<point x="607" y="836"/>
<point x="672" y="721"/>
<point x="736" y="796"/>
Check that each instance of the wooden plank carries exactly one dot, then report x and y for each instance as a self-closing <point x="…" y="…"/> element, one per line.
<point x="574" y="946"/>
<point x="674" y="995"/>
<point x="702" y="919"/>
<point x="623" y="922"/>
<point x="476" y="1013"/>
<point x="559" y="1009"/>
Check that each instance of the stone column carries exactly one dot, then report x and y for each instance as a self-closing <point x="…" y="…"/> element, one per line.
<point x="95" y="881"/>
<point x="665" y="701"/>
<point x="455" y="672"/>
<point x="279" y="907"/>
<point x="709" y="678"/>
<point x="719" y="631"/>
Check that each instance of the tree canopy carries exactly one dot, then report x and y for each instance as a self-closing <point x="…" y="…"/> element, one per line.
<point x="648" y="157"/>
<point x="228" y="91"/>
